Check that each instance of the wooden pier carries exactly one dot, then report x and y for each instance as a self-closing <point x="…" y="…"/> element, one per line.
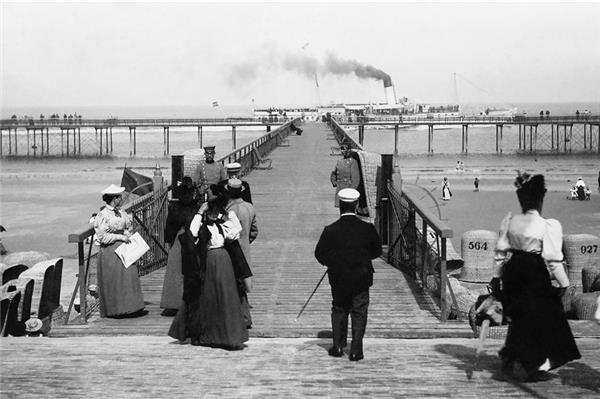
<point x="294" y="201"/>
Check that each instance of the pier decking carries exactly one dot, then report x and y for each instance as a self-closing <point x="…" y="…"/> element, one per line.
<point x="294" y="201"/>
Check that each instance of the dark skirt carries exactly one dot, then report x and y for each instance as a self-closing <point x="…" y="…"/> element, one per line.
<point x="119" y="287"/>
<point x="539" y="329"/>
<point x="172" y="291"/>
<point x="215" y="318"/>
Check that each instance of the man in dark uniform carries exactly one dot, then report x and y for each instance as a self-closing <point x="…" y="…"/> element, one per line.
<point x="346" y="247"/>
<point x="233" y="171"/>
<point x="346" y="173"/>
<point x="209" y="172"/>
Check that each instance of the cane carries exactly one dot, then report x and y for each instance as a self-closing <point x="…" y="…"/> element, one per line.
<point x="311" y="295"/>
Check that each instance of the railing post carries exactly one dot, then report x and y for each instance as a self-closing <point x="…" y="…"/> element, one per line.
<point x="82" y="282"/>
<point x="424" y="254"/>
<point x="387" y="164"/>
<point x="443" y="282"/>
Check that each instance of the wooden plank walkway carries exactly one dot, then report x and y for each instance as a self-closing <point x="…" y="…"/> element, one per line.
<point x="294" y="201"/>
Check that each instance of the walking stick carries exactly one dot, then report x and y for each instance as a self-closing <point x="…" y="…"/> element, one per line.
<point x="311" y="295"/>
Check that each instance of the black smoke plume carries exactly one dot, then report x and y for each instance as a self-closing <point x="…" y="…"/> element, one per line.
<point x="304" y="64"/>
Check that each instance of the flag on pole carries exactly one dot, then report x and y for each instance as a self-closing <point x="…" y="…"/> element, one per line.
<point x="215" y="103"/>
<point x="136" y="183"/>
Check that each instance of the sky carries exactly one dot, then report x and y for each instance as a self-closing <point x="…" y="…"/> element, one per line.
<point x="269" y="54"/>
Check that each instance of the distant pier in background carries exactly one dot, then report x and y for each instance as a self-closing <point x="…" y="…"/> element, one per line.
<point x="63" y="137"/>
<point x="556" y="132"/>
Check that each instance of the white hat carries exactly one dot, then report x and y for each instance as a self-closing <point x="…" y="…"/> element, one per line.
<point x="33" y="325"/>
<point x="233" y="166"/>
<point x="113" y="189"/>
<point x="348" y="195"/>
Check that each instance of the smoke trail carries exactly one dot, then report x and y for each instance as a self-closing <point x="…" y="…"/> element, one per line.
<point x="269" y="58"/>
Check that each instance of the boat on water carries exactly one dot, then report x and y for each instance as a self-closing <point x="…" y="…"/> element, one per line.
<point x="499" y="112"/>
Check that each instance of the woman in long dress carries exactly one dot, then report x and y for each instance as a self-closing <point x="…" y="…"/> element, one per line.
<point x="539" y="337"/>
<point x="211" y="314"/>
<point x="446" y="193"/>
<point x="119" y="287"/>
<point x="181" y="212"/>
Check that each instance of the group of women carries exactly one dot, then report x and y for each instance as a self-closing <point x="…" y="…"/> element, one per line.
<point x="206" y="277"/>
<point x="539" y="337"/>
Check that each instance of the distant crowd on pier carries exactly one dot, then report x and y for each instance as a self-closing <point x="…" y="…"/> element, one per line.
<point x="54" y="118"/>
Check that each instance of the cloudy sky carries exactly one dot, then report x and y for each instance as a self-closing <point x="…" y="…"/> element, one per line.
<point x="93" y="54"/>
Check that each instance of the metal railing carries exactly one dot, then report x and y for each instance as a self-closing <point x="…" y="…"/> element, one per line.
<point x="461" y="120"/>
<point x="417" y="241"/>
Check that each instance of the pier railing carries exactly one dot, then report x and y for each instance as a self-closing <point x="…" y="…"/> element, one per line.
<point x="459" y="120"/>
<point x="149" y="214"/>
<point x="416" y="244"/>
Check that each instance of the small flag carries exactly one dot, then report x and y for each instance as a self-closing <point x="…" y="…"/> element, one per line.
<point x="215" y="103"/>
<point x="316" y="80"/>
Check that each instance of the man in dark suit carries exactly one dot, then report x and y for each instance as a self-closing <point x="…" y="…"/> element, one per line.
<point x="346" y="247"/>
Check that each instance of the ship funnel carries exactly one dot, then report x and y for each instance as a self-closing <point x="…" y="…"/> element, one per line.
<point x="390" y="92"/>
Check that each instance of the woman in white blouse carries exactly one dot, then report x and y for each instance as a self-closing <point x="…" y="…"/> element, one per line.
<point x="214" y="316"/>
<point x="539" y="336"/>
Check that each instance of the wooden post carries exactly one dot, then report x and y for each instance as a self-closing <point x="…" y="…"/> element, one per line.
<point x="519" y="137"/>
<point x="585" y="137"/>
<point x="62" y="142"/>
<point x="79" y="139"/>
<point x="233" y="138"/>
<point x="570" y="137"/>
<point x="167" y="138"/>
<point x="501" y="136"/>
<point x="34" y="144"/>
<point x="200" y="136"/>
<point x="387" y="168"/>
<point x="130" y="142"/>
<point x="111" y="140"/>
<point x="396" y="139"/>
<point x="466" y="139"/>
<point x="100" y="140"/>
<point x="82" y="282"/>
<point x="496" y="138"/>
<point x="47" y="142"/>
<point x="106" y="148"/>
<point x="443" y="280"/>
<point x="28" y="142"/>
<point x="134" y="141"/>
<point x="429" y="137"/>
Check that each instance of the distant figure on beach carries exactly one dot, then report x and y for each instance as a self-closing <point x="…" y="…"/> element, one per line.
<point x="547" y="114"/>
<point x="182" y="210"/>
<point x="581" y="189"/>
<point x="233" y="172"/>
<point x="573" y="193"/>
<point x="462" y="167"/>
<point x="346" y="173"/>
<point x="542" y="113"/>
<point x="577" y="114"/>
<point x="347" y="247"/>
<point x="119" y="287"/>
<point x="476" y="183"/>
<point x="209" y="172"/>
<point x="213" y="269"/>
<point x="458" y="167"/>
<point x="446" y="193"/>
<point x="539" y="337"/>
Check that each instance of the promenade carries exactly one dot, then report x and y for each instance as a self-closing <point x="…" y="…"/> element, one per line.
<point x="157" y="367"/>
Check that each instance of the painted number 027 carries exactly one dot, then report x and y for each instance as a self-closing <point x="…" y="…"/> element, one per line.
<point x="589" y="249"/>
<point x="478" y="245"/>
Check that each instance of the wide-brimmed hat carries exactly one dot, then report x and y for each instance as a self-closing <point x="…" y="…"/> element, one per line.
<point x="113" y="189"/>
<point x="33" y="325"/>
<point x="348" y="195"/>
<point x="234" y="186"/>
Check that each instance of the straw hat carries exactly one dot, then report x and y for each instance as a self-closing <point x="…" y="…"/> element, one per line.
<point x="234" y="186"/>
<point x="33" y="325"/>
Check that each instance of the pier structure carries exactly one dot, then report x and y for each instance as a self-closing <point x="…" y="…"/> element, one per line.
<point x="292" y="209"/>
<point x="558" y="134"/>
<point x="94" y="137"/>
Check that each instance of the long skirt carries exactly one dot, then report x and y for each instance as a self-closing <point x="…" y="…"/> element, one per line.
<point x="119" y="287"/>
<point x="215" y="318"/>
<point x="539" y="329"/>
<point x="172" y="291"/>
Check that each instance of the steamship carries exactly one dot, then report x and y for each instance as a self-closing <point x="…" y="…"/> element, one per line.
<point x="392" y="109"/>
